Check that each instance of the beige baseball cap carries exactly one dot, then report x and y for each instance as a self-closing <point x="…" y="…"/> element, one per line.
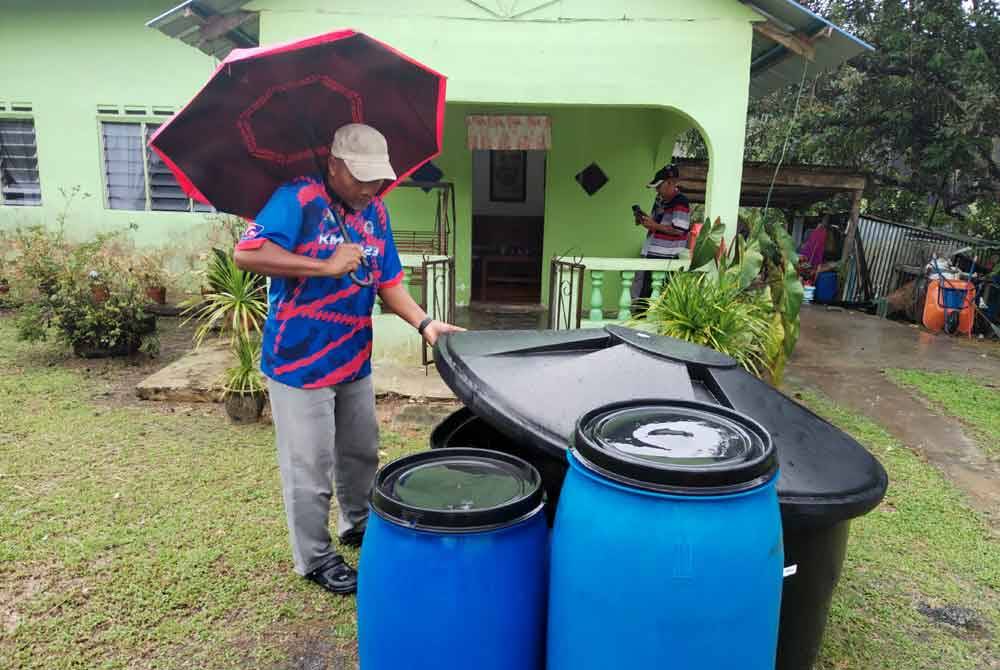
<point x="364" y="150"/>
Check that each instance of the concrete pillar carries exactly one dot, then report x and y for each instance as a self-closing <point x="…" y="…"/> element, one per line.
<point x="725" y="176"/>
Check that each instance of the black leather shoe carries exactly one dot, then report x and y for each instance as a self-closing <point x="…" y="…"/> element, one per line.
<point x="336" y="576"/>
<point x="353" y="537"/>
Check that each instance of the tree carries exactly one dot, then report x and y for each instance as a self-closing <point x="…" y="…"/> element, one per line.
<point x="921" y="113"/>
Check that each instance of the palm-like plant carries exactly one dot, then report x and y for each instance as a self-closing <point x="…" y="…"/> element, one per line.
<point x="236" y="305"/>
<point x="245" y="378"/>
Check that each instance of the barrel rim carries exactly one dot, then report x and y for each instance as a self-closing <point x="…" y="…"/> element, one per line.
<point x="688" y="480"/>
<point x="457" y="521"/>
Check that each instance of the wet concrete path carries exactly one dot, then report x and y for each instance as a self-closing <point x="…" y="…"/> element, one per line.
<point x="843" y="354"/>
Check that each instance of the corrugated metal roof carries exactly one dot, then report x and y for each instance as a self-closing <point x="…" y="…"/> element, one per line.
<point x="774" y="66"/>
<point x="216" y="27"/>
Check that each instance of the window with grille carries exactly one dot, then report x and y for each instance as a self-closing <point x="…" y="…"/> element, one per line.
<point x="19" y="182"/>
<point x="135" y="178"/>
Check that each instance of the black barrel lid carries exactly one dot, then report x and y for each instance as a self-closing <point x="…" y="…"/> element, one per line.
<point x="681" y="446"/>
<point x="533" y="387"/>
<point x="457" y="490"/>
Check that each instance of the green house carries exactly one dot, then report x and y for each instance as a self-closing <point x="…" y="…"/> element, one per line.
<point x="609" y="85"/>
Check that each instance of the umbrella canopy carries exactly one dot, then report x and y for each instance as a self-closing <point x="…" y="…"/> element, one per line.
<point x="268" y="115"/>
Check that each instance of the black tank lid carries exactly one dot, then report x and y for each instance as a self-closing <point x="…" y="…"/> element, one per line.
<point x="457" y="490"/>
<point x="683" y="447"/>
<point x="534" y="386"/>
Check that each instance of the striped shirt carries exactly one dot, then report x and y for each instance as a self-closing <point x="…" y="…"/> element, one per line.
<point x="675" y="213"/>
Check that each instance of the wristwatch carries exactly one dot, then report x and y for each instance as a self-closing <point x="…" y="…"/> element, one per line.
<point x="423" y="324"/>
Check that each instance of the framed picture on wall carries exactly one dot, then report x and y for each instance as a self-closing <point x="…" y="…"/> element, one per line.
<point x="508" y="176"/>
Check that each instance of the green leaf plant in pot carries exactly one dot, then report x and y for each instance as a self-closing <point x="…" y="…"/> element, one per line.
<point x="236" y="304"/>
<point x="244" y="391"/>
<point x="152" y="274"/>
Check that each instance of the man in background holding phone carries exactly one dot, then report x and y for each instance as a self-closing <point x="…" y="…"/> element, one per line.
<point x="668" y="225"/>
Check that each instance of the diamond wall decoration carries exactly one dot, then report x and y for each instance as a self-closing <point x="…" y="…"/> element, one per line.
<point x="592" y="178"/>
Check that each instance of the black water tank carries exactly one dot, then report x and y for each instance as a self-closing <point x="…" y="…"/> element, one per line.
<point x="525" y="390"/>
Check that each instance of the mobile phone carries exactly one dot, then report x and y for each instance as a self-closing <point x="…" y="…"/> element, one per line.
<point x="637" y="213"/>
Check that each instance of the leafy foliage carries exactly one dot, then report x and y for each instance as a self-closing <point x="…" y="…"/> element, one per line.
<point x="919" y="112"/>
<point x="39" y="254"/>
<point x="743" y="302"/>
<point x="245" y="377"/>
<point x="86" y="292"/>
<point x="713" y="312"/>
<point x="237" y="303"/>
<point x="150" y="268"/>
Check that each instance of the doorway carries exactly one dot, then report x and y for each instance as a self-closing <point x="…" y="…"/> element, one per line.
<point x="508" y="220"/>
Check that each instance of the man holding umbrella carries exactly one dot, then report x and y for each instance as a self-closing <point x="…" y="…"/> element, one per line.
<point x="314" y="237"/>
<point x="262" y="120"/>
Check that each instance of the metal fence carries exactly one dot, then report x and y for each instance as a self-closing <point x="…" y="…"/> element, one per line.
<point x="565" y="294"/>
<point x="896" y="253"/>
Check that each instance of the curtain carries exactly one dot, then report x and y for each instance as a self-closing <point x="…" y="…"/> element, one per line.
<point x="509" y="132"/>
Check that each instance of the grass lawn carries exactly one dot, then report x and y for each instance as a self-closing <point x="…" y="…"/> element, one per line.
<point x="973" y="400"/>
<point x="152" y="536"/>
<point x="921" y="550"/>
<point x="139" y="537"/>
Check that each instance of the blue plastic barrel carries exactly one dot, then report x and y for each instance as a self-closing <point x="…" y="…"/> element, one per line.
<point x="953" y="298"/>
<point x="667" y="546"/>
<point x="826" y="287"/>
<point x="454" y="568"/>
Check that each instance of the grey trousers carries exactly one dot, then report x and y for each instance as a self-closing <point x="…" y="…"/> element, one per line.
<point x="327" y="442"/>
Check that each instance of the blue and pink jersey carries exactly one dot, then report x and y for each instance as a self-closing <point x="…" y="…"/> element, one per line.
<point x="319" y="330"/>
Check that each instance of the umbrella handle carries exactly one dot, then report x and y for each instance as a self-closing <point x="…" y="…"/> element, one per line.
<point x="363" y="283"/>
<point x="370" y="279"/>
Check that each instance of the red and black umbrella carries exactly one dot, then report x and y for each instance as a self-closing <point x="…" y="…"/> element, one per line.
<point x="268" y="115"/>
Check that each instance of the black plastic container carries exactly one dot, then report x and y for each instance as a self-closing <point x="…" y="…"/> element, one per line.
<point x="525" y="390"/>
<point x="465" y="429"/>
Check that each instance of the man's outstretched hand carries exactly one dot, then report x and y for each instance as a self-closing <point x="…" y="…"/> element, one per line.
<point x="436" y="329"/>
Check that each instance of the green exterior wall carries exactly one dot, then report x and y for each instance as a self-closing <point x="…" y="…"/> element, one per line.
<point x="65" y="58"/>
<point x="620" y="81"/>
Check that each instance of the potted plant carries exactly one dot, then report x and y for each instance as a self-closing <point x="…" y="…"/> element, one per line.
<point x="98" y="289"/>
<point x="153" y="276"/>
<point x="245" y="392"/>
<point x="237" y="301"/>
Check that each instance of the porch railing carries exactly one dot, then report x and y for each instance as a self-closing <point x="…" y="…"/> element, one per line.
<point x="430" y="280"/>
<point x="608" y="298"/>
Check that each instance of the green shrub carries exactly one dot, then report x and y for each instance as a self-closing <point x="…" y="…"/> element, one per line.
<point x="91" y="298"/>
<point x="698" y="308"/>
<point x="743" y="301"/>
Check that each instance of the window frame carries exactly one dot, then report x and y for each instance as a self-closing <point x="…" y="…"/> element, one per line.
<point x="143" y="120"/>
<point x="23" y="112"/>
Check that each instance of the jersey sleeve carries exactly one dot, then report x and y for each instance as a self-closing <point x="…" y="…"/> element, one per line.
<point x="392" y="267"/>
<point x="279" y="222"/>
